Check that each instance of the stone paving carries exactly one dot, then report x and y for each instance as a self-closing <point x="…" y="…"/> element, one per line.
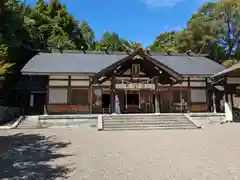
<point x="86" y="154"/>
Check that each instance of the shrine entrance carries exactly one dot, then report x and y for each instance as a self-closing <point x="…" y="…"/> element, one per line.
<point x="136" y="95"/>
<point x="141" y="92"/>
<point x="132" y="101"/>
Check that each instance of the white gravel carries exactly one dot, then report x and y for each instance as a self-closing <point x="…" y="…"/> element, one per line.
<point x="209" y="153"/>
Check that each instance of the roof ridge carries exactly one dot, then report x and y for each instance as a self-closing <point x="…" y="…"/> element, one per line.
<point x="151" y="53"/>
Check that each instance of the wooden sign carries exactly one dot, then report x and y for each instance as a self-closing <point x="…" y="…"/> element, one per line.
<point x="135" y="86"/>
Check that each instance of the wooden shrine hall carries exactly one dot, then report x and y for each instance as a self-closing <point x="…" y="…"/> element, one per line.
<point x="120" y="82"/>
<point x="145" y="67"/>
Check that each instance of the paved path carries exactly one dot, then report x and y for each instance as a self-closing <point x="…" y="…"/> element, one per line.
<point x="81" y="153"/>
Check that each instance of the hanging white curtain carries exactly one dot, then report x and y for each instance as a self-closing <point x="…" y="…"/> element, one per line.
<point x="117" y="105"/>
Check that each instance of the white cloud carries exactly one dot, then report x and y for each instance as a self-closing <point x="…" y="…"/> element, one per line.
<point x="160" y="3"/>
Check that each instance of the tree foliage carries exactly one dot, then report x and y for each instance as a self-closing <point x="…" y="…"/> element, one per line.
<point x="214" y="30"/>
<point x="48" y="25"/>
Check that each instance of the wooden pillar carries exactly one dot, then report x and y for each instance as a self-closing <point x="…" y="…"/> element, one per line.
<point x="90" y="95"/>
<point x="170" y="97"/>
<point x="157" y="110"/>
<point x="69" y="91"/>
<point x="46" y="99"/>
<point x="189" y="96"/>
<point x="208" y="103"/>
<point x="227" y="105"/>
<point x="232" y="100"/>
<point x="113" y="94"/>
<point x="214" y="102"/>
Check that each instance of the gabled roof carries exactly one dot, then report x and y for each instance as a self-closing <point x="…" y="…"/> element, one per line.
<point x="93" y="62"/>
<point x="151" y="67"/>
<point x="234" y="68"/>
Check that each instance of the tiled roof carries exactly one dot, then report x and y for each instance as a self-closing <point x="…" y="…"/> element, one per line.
<point x="93" y="62"/>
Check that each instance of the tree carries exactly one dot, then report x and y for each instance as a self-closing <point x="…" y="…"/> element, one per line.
<point x="112" y="42"/>
<point x="228" y="15"/>
<point x="59" y="40"/>
<point x="200" y="34"/>
<point x="11" y="29"/>
<point x="54" y="27"/>
<point x="213" y="30"/>
<point x="88" y="35"/>
<point x="165" y="42"/>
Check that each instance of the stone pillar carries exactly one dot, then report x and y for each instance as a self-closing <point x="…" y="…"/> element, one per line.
<point x="113" y="94"/>
<point x="157" y="110"/>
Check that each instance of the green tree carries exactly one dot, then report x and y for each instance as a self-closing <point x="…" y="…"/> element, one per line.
<point x="228" y="15"/>
<point x="200" y="34"/>
<point x="88" y="35"/>
<point x="12" y="20"/>
<point x="112" y="42"/>
<point x="213" y="30"/>
<point x="54" y="27"/>
<point x="165" y="42"/>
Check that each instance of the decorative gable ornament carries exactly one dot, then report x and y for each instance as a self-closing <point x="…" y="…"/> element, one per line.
<point x="137" y="57"/>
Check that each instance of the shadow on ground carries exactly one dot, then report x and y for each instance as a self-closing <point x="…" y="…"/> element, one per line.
<point x="29" y="156"/>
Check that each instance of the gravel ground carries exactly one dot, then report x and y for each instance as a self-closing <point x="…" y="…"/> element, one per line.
<point x="84" y="153"/>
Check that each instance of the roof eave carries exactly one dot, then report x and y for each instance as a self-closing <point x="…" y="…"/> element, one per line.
<point x="56" y="73"/>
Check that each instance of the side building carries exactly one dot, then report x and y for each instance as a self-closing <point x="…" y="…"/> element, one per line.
<point x="106" y="82"/>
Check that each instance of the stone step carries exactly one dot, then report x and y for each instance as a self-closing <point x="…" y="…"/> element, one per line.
<point x="124" y="122"/>
<point x="144" y="122"/>
<point x="143" y="118"/>
<point x="132" y="115"/>
<point x="29" y="123"/>
<point x="149" y="128"/>
<point x="64" y="117"/>
<point x="148" y="124"/>
<point x="146" y="119"/>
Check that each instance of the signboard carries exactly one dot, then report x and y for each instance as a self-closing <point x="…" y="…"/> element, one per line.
<point x="135" y="86"/>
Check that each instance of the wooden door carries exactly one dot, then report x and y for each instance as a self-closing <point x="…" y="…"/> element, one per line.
<point x="146" y="101"/>
<point x="165" y="102"/>
<point x="36" y="103"/>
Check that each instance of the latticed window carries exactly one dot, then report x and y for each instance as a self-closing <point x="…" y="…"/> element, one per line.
<point x="58" y="95"/>
<point x="79" y="97"/>
<point x="198" y="95"/>
<point x="180" y="100"/>
<point x="179" y="96"/>
<point x="135" y="68"/>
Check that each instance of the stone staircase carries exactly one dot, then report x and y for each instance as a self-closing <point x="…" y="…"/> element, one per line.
<point x="146" y="121"/>
<point x="46" y="121"/>
<point x="29" y="122"/>
<point x="211" y="117"/>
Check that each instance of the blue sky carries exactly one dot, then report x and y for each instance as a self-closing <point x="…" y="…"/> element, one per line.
<point x="136" y="20"/>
